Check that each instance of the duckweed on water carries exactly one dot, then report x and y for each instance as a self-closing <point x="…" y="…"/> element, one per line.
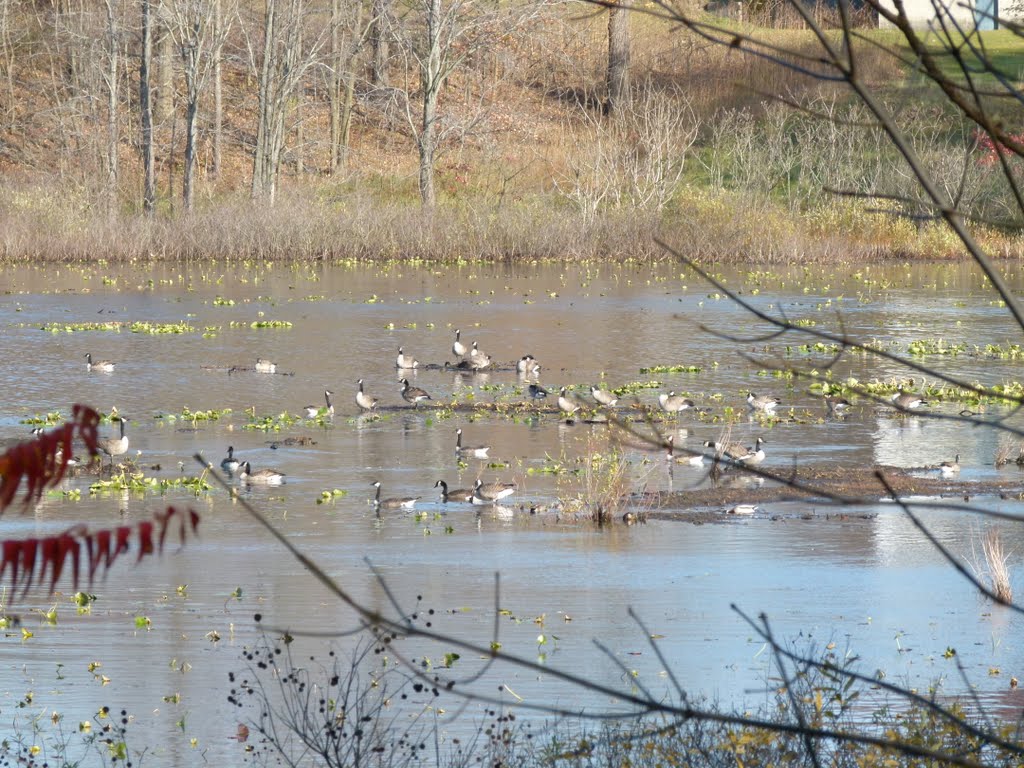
<point x="673" y="369"/>
<point x="924" y="347"/>
<point x="139" y="483"/>
<point x="329" y="497"/>
<point x="73" y="327"/>
<point x="49" y="420"/>
<point x="1009" y="352"/>
<point x="261" y="324"/>
<point x="271" y="423"/>
<point x="187" y="414"/>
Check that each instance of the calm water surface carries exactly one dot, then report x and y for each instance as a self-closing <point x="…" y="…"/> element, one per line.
<point x="873" y="586"/>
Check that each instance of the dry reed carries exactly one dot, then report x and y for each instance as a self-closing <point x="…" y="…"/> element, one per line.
<point x="993" y="566"/>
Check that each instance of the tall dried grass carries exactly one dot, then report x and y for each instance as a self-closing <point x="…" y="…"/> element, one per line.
<point x="993" y="566"/>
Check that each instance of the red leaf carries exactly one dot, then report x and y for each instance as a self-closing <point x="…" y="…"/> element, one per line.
<point x="29" y="548"/>
<point x="35" y="462"/>
<point x="12" y="557"/>
<point x="30" y="559"/>
<point x="145" y="540"/>
<point x="101" y="540"/>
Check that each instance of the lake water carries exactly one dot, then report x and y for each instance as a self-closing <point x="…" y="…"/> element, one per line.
<point x="868" y="582"/>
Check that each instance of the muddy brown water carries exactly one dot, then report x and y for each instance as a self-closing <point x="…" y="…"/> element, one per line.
<point x="863" y="577"/>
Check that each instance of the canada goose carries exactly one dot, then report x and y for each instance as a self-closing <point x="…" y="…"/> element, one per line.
<point x="566" y="404"/>
<point x="407" y="502"/>
<point x="405" y="361"/>
<point x="230" y="464"/>
<point x="836" y="404"/>
<point x="673" y="403"/>
<point x="260" y="477"/>
<point x="115" y="446"/>
<point x="458" y="348"/>
<point x="537" y="392"/>
<point x="413" y="394"/>
<point x="603" y="396"/>
<point x="477" y="451"/>
<point x="265" y="366"/>
<point x="905" y="401"/>
<point x="527" y="366"/>
<point x="478" y="360"/>
<point x="742" y="509"/>
<point x="459" y="494"/>
<point x="363" y="400"/>
<point x="492" y="492"/>
<point x="312" y="411"/>
<point x="753" y="455"/>
<point x="765" y="403"/>
<point x="692" y="459"/>
<point x="950" y="468"/>
<point x="738" y="452"/>
<point x="103" y="366"/>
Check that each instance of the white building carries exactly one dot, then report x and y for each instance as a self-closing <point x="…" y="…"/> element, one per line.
<point x="967" y="14"/>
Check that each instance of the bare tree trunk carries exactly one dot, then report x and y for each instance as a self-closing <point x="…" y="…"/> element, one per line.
<point x="7" y="52"/>
<point x="348" y="88"/>
<point x="218" y="95"/>
<point x="282" y="70"/>
<point x="146" y="110"/>
<point x="347" y="99"/>
<point x="618" y="56"/>
<point x="430" y="85"/>
<point x="163" y="104"/>
<point x="334" y="84"/>
<point x="300" y="132"/>
<point x="110" y="76"/>
<point x="379" y="43"/>
<point x="260" y="180"/>
<point x="190" y="54"/>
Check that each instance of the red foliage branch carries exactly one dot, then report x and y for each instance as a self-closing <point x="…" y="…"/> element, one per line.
<point x="42" y="462"/>
<point x="992" y="149"/>
<point x="29" y="560"/>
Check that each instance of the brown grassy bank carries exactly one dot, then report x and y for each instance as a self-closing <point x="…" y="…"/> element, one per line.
<point x="721" y="228"/>
<point x="528" y="166"/>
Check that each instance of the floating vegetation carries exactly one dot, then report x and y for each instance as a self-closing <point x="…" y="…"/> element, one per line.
<point x="1009" y="352"/>
<point x="187" y="414"/>
<point x="673" y="369"/>
<point x="158" y="328"/>
<point x="139" y="483"/>
<point x="49" y="420"/>
<point x="220" y="301"/>
<point x="329" y="497"/>
<point x="139" y="326"/>
<point x="75" y="327"/>
<point x="818" y="348"/>
<point x="636" y="386"/>
<point x="261" y="324"/>
<point x="923" y="347"/>
<point x="271" y="423"/>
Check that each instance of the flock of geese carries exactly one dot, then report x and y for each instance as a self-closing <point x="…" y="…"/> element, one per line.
<point x="473" y="359"/>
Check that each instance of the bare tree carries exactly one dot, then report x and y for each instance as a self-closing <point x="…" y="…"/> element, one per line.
<point x="110" y="80"/>
<point x="618" y="55"/>
<point x="348" y="37"/>
<point x="146" y="111"/>
<point x="440" y="38"/>
<point x="379" y="47"/>
<point x="7" y="57"/>
<point x="193" y="26"/>
<point x="282" y="63"/>
<point x="220" y="33"/>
